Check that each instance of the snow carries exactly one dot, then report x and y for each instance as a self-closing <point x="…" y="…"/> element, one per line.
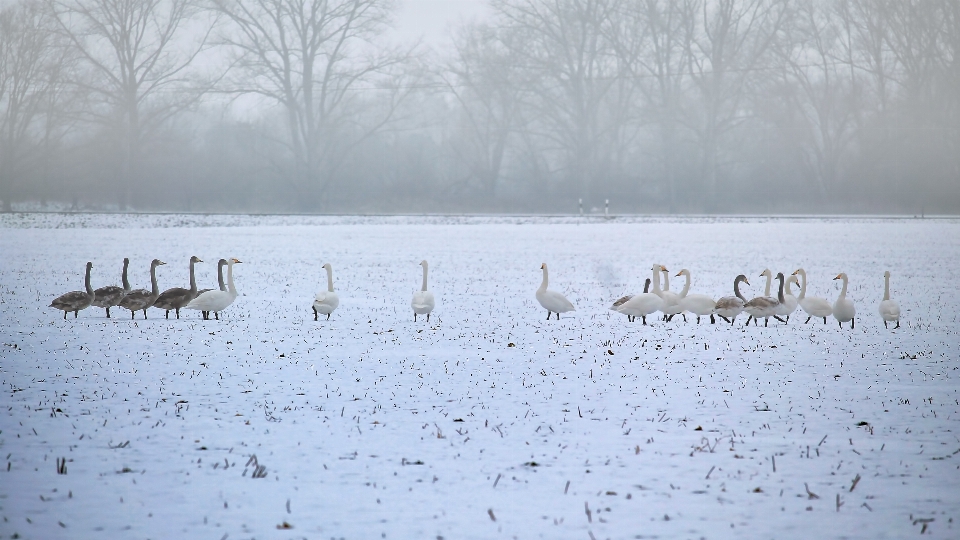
<point x="488" y="421"/>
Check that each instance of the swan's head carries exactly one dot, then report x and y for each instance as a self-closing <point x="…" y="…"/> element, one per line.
<point x="742" y="278"/>
<point x="89" y="264"/>
<point x="221" y="262"/>
<point x="543" y="266"/>
<point x="157" y="262"/>
<point x="236" y="261"/>
<point x="327" y="266"/>
<point x="766" y="273"/>
<point x="886" y="274"/>
<point x="793" y="279"/>
<point x="683" y="272"/>
<point x="779" y="276"/>
<point x="798" y="271"/>
<point x="126" y="260"/>
<point x="841" y="275"/>
<point x="423" y="263"/>
<point x="663" y="269"/>
<point x="195" y="259"/>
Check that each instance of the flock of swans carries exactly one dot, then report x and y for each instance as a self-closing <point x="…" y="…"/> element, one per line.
<point x="661" y="300"/>
<point x="204" y="300"/>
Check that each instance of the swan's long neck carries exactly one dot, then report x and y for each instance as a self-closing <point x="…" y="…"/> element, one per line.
<point x="766" y="290"/>
<point x="656" y="283"/>
<point x="220" y="282"/>
<point x="330" y="280"/>
<point x="424" y="286"/>
<point x="193" y="280"/>
<point x="686" y="286"/>
<point x="86" y="282"/>
<point x="154" y="290"/>
<point x="843" y="290"/>
<point x="786" y="286"/>
<point x="666" y="280"/>
<point x="545" y="282"/>
<point x="123" y="277"/>
<point x="886" y="287"/>
<point x="803" y="285"/>
<point x="736" y="289"/>
<point x="233" y="290"/>
<point x="780" y="292"/>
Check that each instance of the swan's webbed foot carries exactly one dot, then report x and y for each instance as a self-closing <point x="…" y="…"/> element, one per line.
<point x="698" y="319"/>
<point x="315" y="315"/>
<point x="898" y="325"/>
<point x="328" y="317"/>
<point x="684" y="315"/>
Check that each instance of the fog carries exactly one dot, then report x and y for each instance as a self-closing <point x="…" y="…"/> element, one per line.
<point x="370" y="106"/>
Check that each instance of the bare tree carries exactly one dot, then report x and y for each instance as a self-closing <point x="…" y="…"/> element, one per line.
<point x="32" y="61"/>
<point x="573" y="72"/>
<point x="138" y="54"/>
<point x="319" y="61"/>
<point x="732" y="42"/>
<point x="488" y="88"/>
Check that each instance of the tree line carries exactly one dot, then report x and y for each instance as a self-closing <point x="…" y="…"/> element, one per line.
<point x="684" y="106"/>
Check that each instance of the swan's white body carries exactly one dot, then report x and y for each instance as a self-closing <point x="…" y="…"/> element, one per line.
<point x="552" y="301"/>
<point x="812" y="306"/>
<point x="763" y="306"/>
<point x="423" y="301"/>
<point x="698" y="304"/>
<point x="326" y="302"/>
<point x="671" y="300"/>
<point x="624" y="299"/>
<point x="641" y="305"/>
<point x="843" y="309"/>
<point x="789" y="304"/>
<point x="217" y="301"/>
<point x="889" y="309"/>
<point x="729" y="307"/>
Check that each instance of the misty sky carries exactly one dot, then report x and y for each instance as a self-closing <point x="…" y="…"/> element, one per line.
<point x="433" y="19"/>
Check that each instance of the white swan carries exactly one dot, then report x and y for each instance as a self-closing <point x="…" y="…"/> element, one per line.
<point x="889" y="309"/>
<point x="789" y="303"/>
<point x="764" y="306"/>
<point x="843" y="308"/>
<point x="624" y="299"/>
<point x="671" y="300"/>
<point x="76" y="300"/>
<point x="217" y="301"/>
<point x="812" y="306"/>
<point x="326" y="301"/>
<point x="698" y="304"/>
<point x="552" y="301"/>
<point x="729" y="307"/>
<point x="641" y="305"/>
<point x="423" y="301"/>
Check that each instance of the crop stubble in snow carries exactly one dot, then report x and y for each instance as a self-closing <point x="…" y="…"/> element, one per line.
<point x="369" y="425"/>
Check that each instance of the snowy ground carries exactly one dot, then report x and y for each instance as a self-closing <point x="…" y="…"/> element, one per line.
<point x="488" y="421"/>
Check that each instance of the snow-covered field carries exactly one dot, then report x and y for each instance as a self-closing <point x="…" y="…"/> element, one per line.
<point x="488" y="421"/>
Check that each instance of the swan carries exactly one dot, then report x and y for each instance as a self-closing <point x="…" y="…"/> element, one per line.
<point x="552" y="301"/>
<point x="644" y="304"/>
<point x="326" y="301"/>
<point x="110" y="296"/>
<point x="217" y="301"/>
<point x="178" y="297"/>
<point x="813" y="306"/>
<point x="423" y="301"/>
<point x="764" y="306"/>
<point x="220" y="264"/>
<point x="789" y="303"/>
<point x="76" y="300"/>
<point x="671" y="300"/>
<point x="142" y="298"/>
<point x="698" y="304"/>
<point x="729" y="307"/>
<point x="623" y="300"/>
<point x="843" y="308"/>
<point x="889" y="309"/>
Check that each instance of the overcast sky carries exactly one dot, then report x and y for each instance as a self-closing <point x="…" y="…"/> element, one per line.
<point x="433" y="19"/>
